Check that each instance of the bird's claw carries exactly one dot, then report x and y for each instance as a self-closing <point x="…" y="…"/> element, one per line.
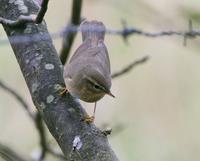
<point x="89" y="119"/>
<point x="63" y="91"/>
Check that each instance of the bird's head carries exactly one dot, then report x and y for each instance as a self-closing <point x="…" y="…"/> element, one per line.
<point x="95" y="87"/>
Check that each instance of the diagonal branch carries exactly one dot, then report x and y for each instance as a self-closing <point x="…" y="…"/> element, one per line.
<point x="129" y="67"/>
<point x="68" y="37"/>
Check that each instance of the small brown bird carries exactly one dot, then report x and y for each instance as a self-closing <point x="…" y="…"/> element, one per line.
<point x="87" y="75"/>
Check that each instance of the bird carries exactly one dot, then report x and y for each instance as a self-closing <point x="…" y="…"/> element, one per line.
<point x="87" y="75"/>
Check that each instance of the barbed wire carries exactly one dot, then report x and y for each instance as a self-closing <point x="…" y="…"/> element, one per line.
<point x="125" y="33"/>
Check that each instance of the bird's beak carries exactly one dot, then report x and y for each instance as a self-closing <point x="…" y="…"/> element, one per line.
<point x="110" y="94"/>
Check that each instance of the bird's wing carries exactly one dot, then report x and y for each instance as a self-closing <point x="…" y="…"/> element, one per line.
<point x="104" y="54"/>
<point x="80" y="51"/>
<point x="84" y="56"/>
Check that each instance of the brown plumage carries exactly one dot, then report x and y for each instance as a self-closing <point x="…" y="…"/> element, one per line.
<point x="87" y="75"/>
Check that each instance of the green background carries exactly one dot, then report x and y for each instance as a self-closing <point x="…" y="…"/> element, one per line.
<point x="155" y="115"/>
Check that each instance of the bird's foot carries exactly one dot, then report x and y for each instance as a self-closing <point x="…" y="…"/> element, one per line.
<point x="63" y="91"/>
<point x="89" y="119"/>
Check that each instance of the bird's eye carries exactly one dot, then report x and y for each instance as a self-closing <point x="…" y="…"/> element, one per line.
<point x="97" y="87"/>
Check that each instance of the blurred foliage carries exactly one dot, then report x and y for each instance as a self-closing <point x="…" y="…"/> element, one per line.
<point x="191" y="13"/>
<point x="158" y="102"/>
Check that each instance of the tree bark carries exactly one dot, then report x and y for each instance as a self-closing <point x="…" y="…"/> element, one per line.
<point x="43" y="73"/>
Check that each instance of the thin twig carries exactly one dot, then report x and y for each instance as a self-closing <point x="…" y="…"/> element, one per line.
<point x="68" y="37"/>
<point x="22" y="19"/>
<point x="41" y="130"/>
<point x="43" y="9"/>
<point x="37" y="119"/>
<point x="8" y="154"/>
<point x="18" y="98"/>
<point x="130" y="67"/>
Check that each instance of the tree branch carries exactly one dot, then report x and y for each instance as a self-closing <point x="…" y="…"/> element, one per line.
<point x="35" y="118"/>
<point x="43" y="73"/>
<point x="68" y="37"/>
<point x="18" y="98"/>
<point x="38" y="121"/>
<point x="43" y="9"/>
<point x="8" y="154"/>
<point x="41" y="130"/>
<point x="22" y="20"/>
<point x="129" y="67"/>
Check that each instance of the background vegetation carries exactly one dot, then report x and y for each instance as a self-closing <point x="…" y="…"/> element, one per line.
<point x="155" y="115"/>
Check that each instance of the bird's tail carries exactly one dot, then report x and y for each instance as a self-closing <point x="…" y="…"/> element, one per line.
<point x="93" y="30"/>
